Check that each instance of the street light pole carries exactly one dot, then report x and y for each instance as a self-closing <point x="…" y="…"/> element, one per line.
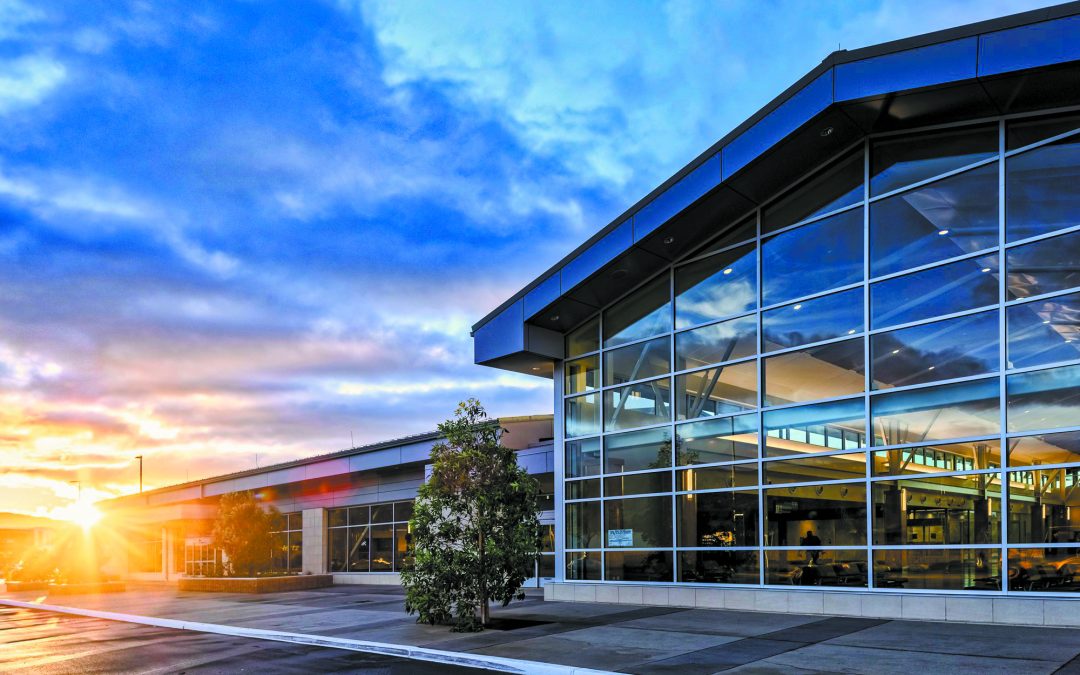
<point x="139" y="457"/>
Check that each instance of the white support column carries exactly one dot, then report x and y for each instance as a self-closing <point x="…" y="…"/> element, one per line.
<point x="314" y="554"/>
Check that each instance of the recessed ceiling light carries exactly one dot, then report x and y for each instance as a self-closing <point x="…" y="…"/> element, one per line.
<point x="931" y="367"/>
<point x="943" y="232"/>
<point x="986" y="269"/>
<point x="798" y="307"/>
<point x="896" y="351"/>
<point x="536" y="368"/>
<point x="669" y="240"/>
<point x="554" y="317"/>
<point x="1047" y="321"/>
<point x="728" y="271"/>
<point x="827" y="131"/>
<point x="851" y="332"/>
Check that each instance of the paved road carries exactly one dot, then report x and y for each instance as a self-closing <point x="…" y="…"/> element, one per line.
<point x="44" y="643"/>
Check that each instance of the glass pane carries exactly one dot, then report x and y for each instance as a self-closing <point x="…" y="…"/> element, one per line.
<point x="719" y="567"/>
<point x="936" y="413"/>
<point x="648" y="520"/>
<point x="583" y="415"/>
<point x="826" y="371"/>
<point x="296" y="551"/>
<point x="813" y="258"/>
<point x="546" y="567"/>
<point x="961" y="285"/>
<point x="401" y="545"/>
<point x="1021" y="132"/>
<point x="902" y="160"/>
<point x="718" y="477"/>
<point x="637" y="484"/>
<point x="645" y="312"/>
<point x="583" y="525"/>
<point x="339" y="549"/>
<point x="584" y="339"/>
<point x="1044" y="331"/>
<point x="582" y="375"/>
<point x="718" y="519"/>
<point x="1061" y="448"/>
<point x="296" y="521"/>
<point x="382" y="548"/>
<point x="960" y="347"/>
<point x="638" y="566"/>
<point x="745" y="230"/>
<point x="930" y="459"/>
<point x="359" y="540"/>
<point x="952" y="510"/>
<point x="720" y="390"/>
<point x="403" y="511"/>
<point x="725" y="341"/>
<point x="816" y="568"/>
<point x="583" y="458"/>
<point x="813" y="320"/>
<point x="1040" y="186"/>
<point x="715" y="287"/>
<point x="637" y="405"/>
<point x="584" y="566"/>
<point x="358" y="515"/>
<point x="382" y="513"/>
<point x="838" y="425"/>
<point x="815" y="468"/>
<point x="719" y="440"/>
<point x="835" y="187"/>
<point x="946" y="219"/>
<point x="638" y="451"/>
<point x="337" y="517"/>
<point x="583" y="489"/>
<point x="1044" y="266"/>
<point x="638" y="361"/>
<point x="1044" y="399"/>
<point x="949" y="569"/>
<point x="816" y="515"/>
<point x="1043" y="505"/>
<point x="1044" y="570"/>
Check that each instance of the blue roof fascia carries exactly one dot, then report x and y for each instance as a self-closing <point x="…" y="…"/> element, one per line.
<point x="505" y="334"/>
<point x="910" y="69"/>
<point x="670" y="202"/>
<point x="599" y="254"/>
<point x="1040" y="44"/>
<point x="545" y="293"/>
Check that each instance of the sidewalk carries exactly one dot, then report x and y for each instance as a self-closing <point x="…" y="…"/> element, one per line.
<point x="629" y="639"/>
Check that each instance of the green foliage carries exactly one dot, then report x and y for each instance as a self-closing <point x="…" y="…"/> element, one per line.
<point x="475" y="528"/>
<point x="242" y="531"/>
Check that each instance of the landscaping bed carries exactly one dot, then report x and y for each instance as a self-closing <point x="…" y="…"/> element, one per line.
<point x="91" y="587"/>
<point x="300" y="582"/>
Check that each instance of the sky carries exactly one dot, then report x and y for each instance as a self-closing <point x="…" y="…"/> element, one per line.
<point x="239" y="233"/>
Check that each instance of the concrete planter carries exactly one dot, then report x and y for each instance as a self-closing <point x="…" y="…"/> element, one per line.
<point x="255" y="584"/>
<point x="91" y="588"/>
<point x="16" y="586"/>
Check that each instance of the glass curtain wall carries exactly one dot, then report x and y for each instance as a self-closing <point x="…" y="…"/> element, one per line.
<point x="368" y="538"/>
<point x="872" y="382"/>
<point x="288" y="552"/>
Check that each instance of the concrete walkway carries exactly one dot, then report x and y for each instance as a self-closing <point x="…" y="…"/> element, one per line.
<point x="631" y="639"/>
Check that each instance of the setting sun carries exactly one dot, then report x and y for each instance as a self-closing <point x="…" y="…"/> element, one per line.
<point x="83" y="515"/>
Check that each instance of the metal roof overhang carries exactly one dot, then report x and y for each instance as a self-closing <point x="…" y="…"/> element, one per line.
<point x="1014" y="64"/>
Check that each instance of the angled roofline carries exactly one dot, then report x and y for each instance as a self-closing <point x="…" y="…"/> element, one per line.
<point x="835" y="58"/>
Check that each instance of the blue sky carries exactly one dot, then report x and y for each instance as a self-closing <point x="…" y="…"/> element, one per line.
<point x="241" y="228"/>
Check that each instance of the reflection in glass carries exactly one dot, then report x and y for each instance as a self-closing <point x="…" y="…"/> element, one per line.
<point x="583" y="415"/>
<point x="710" y="519"/>
<point x="835" y="187"/>
<point x="825" y="371"/>
<point x="1044" y="266"/>
<point x="638" y="566"/>
<point x="720" y="440"/>
<point x="747" y="229"/>
<point x="965" y="284"/>
<point x="583" y="457"/>
<point x="719" y="567"/>
<point x="1043" y="399"/>
<point x="712" y="288"/>
<point x="637" y="405"/>
<point x="645" y="312"/>
<point x="637" y="484"/>
<point x="583" y="489"/>
<point x="382" y="548"/>
<point x="637" y="451"/>
<point x="957" y="410"/>
<point x="1041" y="189"/>
<point x="583" y="339"/>
<point x="814" y="468"/>
<point x="1044" y="570"/>
<point x="637" y="361"/>
<point x="649" y="519"/>
<point x="582" y="374"/>
<point x="960" y="347"/>
<point x="816" y="568"/>
<point x="897" y="161"/>
<point x="718" y="477"/>
<point x="716" y="343"/>
<point x="719" y="390"/>
<point x="838" y="425"/>
<point x="950" y="510"/>
<point x="1060" y="448"/>
<point x="1043" y="506"/>
<point x="583" y="525"/>
<point x="939" y="569"/>
<point x="583" y="566"/>
<point x="1028" y="130"/>
<point x="813" y="258"/>
<point x="814" y="320"/>
<point x="946" y="219"/>
<point x="941" y="458"/>
<point x="1044" y="331"/>
<point x="816" y="515"/>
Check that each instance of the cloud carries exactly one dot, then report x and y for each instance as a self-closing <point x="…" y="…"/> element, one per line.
<point x="26" y="80"/>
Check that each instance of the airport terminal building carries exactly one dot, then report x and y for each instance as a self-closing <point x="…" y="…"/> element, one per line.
<point x="833" y="364"/>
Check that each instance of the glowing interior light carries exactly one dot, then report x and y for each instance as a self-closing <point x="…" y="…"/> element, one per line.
<point x="986" y="269"/>
<point x="727" y="271"/>
<point x="943" y="232"/>
<point x="798" y="307"/>
<point x="896" y="351"/>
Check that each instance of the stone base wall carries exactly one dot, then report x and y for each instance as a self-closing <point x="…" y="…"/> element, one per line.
<point x="369" y="579"/>
<point x="301" y="582"/>
<point x="918" y="606"/>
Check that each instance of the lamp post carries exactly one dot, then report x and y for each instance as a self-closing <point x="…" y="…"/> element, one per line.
<point x="139" y="457"/>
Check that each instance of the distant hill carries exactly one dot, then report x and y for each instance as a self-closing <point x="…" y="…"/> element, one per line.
<point x="19" y="521"/>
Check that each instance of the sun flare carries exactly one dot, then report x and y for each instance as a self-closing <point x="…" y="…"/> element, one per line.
<point x="84" y="515"/>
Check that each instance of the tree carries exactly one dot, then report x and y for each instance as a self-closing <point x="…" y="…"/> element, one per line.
<point x="242" y="532"/>
<point x="475" y="527"/>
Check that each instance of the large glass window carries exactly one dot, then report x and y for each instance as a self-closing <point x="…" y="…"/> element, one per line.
<point x="837" y="425"/>
<point x="1045" y="449"/>
<point x="958" y="410"/>
<point x="582" y="374"/>
<point x="583" y="457"/>
<point x="1044" y="570"/>
<point x="938" y="569"/>
<point x="724" y="566"/>
<point x="1044" y="266"/>
<point x="582" y="415"/>
<point x="727" y="439"/>
<point x="946" y="219"/>
<point x="960" y="347"/>
<point x="1043" y="505"/>
<point x="638" y="566"/>
<point x="637" y="451"/>
<point x="896" y="161"/>
<point x="958" y="286"/>
<point x="744" y="474"/>
<point x="816" y="515"/>
<point x="815" y="567"/>
<point x="833" y="188"/>
<point x="644" y="313"/>
<point x="1044" y="399"/>
<point x="637" y="361"/>
<point x="583" y="525"/>
<point x="926" y="511"/>
<point x="716" y="343"/>
<point x="1041" y="189"/>
<point x="641" y="522"/>
<point x="1027" y="130"/>
<point x="938" y="458"/>
<point x="720" y="285"/>
<point x="720" y="390"/>
<point x="814" y="468"/>
<point x="637" y="405"/>
<point x="826" y="371"/>
<point x="584" y="339"/>
<point x="813" y="258"/>
<point x="814" y="320"/>
<point x="364" y="538"/>
<point x="1046" y="331"/>
<point x="714" y="519"/>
